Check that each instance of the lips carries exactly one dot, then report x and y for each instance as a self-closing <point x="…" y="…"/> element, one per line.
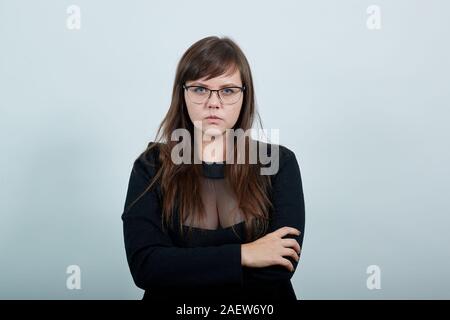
<point x="213" y="117"/>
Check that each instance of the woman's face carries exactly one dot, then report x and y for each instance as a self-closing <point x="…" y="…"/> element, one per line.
<point x="227" y="113"/>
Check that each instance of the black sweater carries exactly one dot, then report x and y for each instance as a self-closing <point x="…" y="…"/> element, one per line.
<point x="207" y="266"/>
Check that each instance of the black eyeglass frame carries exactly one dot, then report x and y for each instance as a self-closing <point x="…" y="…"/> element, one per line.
<point x="185" y="87"/>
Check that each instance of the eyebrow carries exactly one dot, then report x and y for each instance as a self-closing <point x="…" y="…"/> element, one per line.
<point x="222" y="86"/>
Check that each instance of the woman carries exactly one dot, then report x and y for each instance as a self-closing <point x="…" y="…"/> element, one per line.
<point x="208" y="225"/>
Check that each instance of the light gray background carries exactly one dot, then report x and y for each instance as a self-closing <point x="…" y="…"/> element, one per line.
<point x="365" y="111"/>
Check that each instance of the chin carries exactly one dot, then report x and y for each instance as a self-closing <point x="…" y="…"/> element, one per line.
<point x="213" y="131"/>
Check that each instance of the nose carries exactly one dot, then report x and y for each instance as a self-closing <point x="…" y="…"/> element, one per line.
<point x="214" y="100"/>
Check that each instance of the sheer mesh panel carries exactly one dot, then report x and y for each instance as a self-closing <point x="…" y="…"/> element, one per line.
<point x="219" y="200"/>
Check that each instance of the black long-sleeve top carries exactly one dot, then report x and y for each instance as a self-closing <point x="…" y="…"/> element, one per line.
<point x="207" y="265"/>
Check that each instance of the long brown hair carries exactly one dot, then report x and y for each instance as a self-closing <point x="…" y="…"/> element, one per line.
<point x="180" y="184"/>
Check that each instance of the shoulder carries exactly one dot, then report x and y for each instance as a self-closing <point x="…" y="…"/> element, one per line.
<point x="148" y="161"/>
<point x="277" y="160"/>
<point x="277" y="153"/>
<point x="286" y="154"/>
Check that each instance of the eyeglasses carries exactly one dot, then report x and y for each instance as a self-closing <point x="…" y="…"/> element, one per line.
<point x="228" y="95"/>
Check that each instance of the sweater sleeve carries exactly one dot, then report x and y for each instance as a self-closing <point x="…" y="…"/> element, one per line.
<point x="153" y="259"/>
<point x="289" y="210"/>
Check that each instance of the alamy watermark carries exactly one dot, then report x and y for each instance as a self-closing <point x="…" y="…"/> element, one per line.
<point x="182" y="152"/>
<point x="73" y="281"/>
<point x="374" y="280"/>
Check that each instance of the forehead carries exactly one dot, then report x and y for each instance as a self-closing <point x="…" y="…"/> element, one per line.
<point x="229" y="77"/>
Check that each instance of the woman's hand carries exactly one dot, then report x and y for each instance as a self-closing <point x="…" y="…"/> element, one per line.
<point x="270" y="250"/>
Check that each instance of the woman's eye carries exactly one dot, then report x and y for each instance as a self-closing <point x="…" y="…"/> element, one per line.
<point x="199" y="90"/>
<point x="228" y="91"/>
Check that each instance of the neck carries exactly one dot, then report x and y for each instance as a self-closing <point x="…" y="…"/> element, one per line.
<point x="211" y="148"/>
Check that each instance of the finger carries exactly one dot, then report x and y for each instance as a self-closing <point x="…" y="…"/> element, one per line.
<point x="291" y="243"/>
<point x="287" y="264"/>
<point x="283" y="231"/>
<point x="288" y="252"/>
